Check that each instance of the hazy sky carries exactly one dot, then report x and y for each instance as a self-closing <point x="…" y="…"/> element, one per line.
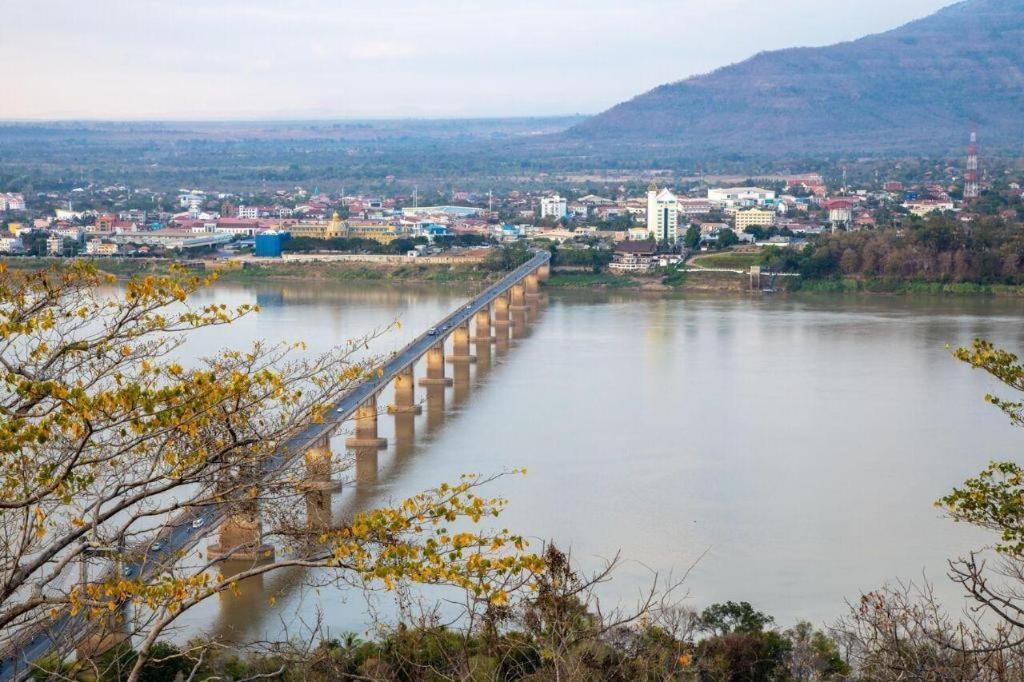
<point x="360" y="58"/>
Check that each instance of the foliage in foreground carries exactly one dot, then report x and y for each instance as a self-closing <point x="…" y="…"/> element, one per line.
<point x="902" y="632"/>
<point x="110" y="441"/>
<point x="557" y="632"/>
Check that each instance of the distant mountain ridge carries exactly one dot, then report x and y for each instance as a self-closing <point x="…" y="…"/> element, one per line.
<point x="914" y="88"/>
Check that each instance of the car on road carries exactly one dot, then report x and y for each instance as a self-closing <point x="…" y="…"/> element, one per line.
<point x="198" y="523"/>
<point x="127" y="571"/>
<point x="156" y="546"/>
<point x="432" y="331"/>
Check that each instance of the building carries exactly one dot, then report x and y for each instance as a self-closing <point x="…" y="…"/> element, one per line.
<point x="691" y="207"/>
<point x="55" y="245"/>
<point x="451" y="211"/>
<point x="728" y="197"/>
<point x="840" y="211"/>
<point x="11" y="201"/>
<point x="269" y="244"/>
<point x="662" y="214"/>
<point x="924" y="207"/>
<point x="170" y="239"/>
<point x="320" y="229"/>
<point x="634" y="256"/>
<point x="753" y="217"/>
<point x="553" y="207"/>
<point x="237" y="227"/>
<point x="10" y="245"/>
<point x="104" y="223"/>
<point x="249" y="212"/>
<point x="378" y="232"/>
<point x="97" y="248"/>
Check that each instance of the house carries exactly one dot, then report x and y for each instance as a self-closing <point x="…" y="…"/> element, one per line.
<point x="634" y="256"/>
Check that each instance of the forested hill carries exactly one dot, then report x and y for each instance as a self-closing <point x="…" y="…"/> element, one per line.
<point x="915" y="88"/>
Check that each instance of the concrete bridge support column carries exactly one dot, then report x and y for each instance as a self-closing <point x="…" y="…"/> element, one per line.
<point x="318" y="510"/>
<point x="532" y="285"/>
<point x="482" y="322"/>
<point x="405" y="394"/>
<point x="544" y="272"/>
<point x="501" y="319"/>
<point x="435" y="367"/>
<point x="319" y="468"/>
<point x="518" y="293"/>
<point x="460" y="345"/>
<point x="366" y="427"/>
<point x="241" y="537"/>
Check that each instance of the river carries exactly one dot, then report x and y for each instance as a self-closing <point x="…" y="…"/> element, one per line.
<point x="789" y="449"/>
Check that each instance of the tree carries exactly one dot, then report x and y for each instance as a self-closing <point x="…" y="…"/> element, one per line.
<point x="108" y="443"/>
<point x="692" y="238"/>
<point x="727" y="238"/>
<point x="730" y="617"/>
<point x="894" y="630"/>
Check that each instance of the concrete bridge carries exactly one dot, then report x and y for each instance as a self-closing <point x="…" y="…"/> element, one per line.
<point x="510" y="303"/>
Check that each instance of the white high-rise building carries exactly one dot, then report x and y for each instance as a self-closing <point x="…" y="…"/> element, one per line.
<point x="553" y="207"/>
<point x="662" y="214"/>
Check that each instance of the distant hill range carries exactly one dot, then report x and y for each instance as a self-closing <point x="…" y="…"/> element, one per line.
<point x="914" y="89"/>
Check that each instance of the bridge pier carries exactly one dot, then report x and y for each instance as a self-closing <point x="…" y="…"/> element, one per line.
<point x="241" y="537"/>
<point x="544" y="272"/>
<point x="518" y="295"/>
<point x="460" y="345"/>
<point x="501" y="317"/>
<point x="435" y="367"/>
<point x="318" y="510"/>
<point x="319" y="468"/>
<point x="532" y="286"/>
<point x="405" y="394"/>
<point x="482" y="324"/>
<point x="366" y="427"/>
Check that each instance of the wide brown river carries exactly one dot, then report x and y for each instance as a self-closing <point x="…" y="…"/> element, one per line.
<point x="795" y="445"/>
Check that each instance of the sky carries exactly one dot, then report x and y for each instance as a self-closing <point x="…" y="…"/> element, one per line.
<point x="246" y="59"/>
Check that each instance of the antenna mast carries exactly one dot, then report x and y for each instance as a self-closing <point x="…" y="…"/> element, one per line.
<point x="971" y="188"/>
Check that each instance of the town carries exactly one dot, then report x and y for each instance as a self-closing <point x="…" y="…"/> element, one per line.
<point x="621" y="228"/>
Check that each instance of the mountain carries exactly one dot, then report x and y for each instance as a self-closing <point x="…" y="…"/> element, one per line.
<point x="915" y="88"/>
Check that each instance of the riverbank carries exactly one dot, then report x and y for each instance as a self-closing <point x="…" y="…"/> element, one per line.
<point x="286" y="271"/>
<point x="667" y="280"/>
